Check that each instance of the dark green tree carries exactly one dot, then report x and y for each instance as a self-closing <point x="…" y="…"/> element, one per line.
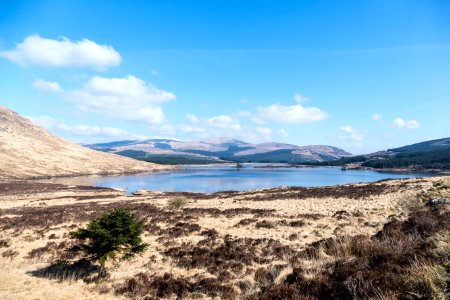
<point x="116" y="234"/>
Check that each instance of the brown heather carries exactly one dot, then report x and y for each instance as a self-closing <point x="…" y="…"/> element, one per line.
<point x="363" y="241"/>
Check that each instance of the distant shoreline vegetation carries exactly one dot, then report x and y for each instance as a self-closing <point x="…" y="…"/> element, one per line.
<point x="420" y="160"/>
<point x="417" y="160"/>
<point x="168" y="159"/>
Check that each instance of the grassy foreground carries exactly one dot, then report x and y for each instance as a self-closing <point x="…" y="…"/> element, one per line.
<point x="361" y="241"/>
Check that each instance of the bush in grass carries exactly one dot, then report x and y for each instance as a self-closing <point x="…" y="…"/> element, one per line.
<point x="176" y="203"/>
<point x="115" y="234"/>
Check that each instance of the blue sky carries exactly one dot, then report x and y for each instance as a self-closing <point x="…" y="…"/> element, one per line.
<point x="360" y="75"/>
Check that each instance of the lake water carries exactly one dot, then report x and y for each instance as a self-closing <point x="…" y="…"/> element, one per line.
<point x="208" y="179"/>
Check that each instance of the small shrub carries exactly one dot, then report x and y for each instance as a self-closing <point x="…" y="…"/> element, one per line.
<point x="210" y="233"/>
<point x="298" y="223"/>
<point x="176" y="203"/>
<point x="51" y="248"/>
<point x="4" y="244"/>
<point x="10" y="254"/>
<point x="117" y="232"/>
<point x="293" y="236"/>
<point x="246" y="221"/>
<point x="265" y="224"/>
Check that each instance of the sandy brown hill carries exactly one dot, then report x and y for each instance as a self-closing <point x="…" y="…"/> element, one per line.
<point x="27" y="150"/>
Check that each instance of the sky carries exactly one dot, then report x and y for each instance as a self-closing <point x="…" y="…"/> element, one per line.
<point x="360" y="75"/>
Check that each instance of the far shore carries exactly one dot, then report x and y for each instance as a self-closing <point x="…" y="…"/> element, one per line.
<point x="386" y="170"/>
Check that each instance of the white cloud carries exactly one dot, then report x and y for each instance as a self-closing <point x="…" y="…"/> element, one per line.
<point x="35" y="50"/>
<point x="222" y="126"/>
<point x="353" y="135"/>
<point x="188" y="128"/>
<point x="128" y="98"/>
<point x="225" y="122"/>
<point x="264" y="131"/>
<point x="402" y="124"/>
<point x="300" y="98"/>
<point x="348" y="129"/>
<point x="47" y="86"/>
<point x="192" y="118"/>
<point x="282" y="133"/>
<point x="93" y="132"/>
<point x="244" y="114"/>
<point x="290" y="114"/>
<point x="43" y="121"/>
<point x="377" y="117"/>
<point x="128" y="89"/>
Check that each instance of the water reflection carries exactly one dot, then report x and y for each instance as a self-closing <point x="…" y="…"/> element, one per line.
<point x="208" y="179"/>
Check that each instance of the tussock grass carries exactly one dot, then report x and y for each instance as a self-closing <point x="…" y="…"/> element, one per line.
<point x="176" y="203"/>
<point x="405" y="260"/>
<point x="425" y="280"/>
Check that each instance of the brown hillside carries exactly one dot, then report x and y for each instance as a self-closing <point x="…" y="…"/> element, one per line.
<point x="27" y="150"/>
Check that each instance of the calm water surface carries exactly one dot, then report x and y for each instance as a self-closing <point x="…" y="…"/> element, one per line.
<point x="208" y="179"/>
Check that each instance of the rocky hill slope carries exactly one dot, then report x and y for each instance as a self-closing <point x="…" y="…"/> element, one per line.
<point x="27" y="151"/>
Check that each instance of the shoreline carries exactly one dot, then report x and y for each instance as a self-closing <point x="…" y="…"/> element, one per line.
<point x="386" y="170"/>
<point x="102" y="174"/>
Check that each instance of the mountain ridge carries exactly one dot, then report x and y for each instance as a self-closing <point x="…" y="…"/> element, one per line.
<point x="221" y="149"/>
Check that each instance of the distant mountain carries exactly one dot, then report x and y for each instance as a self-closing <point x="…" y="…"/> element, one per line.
<point x="219" y="150"/>
<point x="27" y="150"/>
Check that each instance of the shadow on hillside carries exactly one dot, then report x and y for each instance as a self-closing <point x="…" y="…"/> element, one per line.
<point x="63" y="270"/>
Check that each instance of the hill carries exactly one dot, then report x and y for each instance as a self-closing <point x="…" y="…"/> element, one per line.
<point x="427" y="155"/>
<point x="27" y="150"/>
<point x="219" y="150"/>
<point x="432" y="159"/>
<point x="433" y="145"/>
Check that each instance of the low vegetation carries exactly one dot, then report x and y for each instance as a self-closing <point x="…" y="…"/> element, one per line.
<point x="243" y="248"/>
<point x="417" y="160"/>
<point x="164" y="159"/>
<point x="176" y="203"/>
<point x="437" y="159"/>
<point x="405" y="260"/>
<point x="116" y="233"/>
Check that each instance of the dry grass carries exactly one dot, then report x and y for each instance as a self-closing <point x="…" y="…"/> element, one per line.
<point x="405" y="260"/>
<point x="176" y="203"/>
<point x="278" y="243"/>
<point x="425" y="280"/>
